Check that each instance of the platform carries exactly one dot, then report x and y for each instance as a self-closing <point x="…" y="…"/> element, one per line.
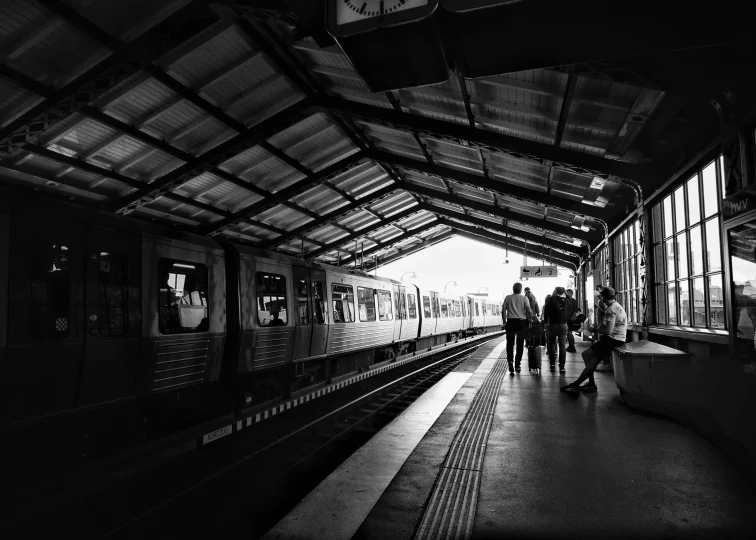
<point x="488" y="455"/>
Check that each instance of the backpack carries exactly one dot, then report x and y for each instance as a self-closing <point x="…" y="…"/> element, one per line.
<point x="557" y="310"/>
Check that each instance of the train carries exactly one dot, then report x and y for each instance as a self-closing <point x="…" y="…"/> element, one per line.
<point x="119" y="331"/>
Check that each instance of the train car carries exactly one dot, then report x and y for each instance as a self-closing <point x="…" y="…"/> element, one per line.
<point x="428" y="311"/>
<point x="451" y="315"/>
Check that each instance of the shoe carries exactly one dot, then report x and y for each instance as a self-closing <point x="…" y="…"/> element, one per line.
<point x="511" y="368"/>
<point x="572" y="387"/>
<point x="517" y="369"/>
<point x="562" y="370"/>
<point x="571" y="349"/>
<point x="552" y="367"/>
<point x="588" y="388"/>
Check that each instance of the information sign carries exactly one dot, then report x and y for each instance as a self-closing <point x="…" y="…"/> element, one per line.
<point x="538" y="271"/>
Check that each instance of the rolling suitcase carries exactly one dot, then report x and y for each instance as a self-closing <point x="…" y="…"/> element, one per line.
<point x="535" y="357"/>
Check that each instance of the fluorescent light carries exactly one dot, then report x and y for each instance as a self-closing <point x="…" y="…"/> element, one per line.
<point x="178" y="265"/>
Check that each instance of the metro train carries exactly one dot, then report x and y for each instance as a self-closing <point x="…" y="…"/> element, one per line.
<point x="115" y="331"/>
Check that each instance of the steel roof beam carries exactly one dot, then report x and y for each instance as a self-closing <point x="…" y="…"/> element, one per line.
<point x="360" y="233"/>
<point x="502" y="212"/>
<point x="571" y="160"/>
<point x="494" y="236"/>
<point x="513" y="233"/>
<point x="514" y="247"/>
<point x="127" y="60"/>
<point x="569" y="93"/>
<point x="481" y="182"/>
<point x="393" y="241"/>
<point x="403" y="252"/>
<point x="331" y="216"/>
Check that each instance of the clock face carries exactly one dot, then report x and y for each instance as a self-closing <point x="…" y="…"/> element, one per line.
<point x="349" y="11"/>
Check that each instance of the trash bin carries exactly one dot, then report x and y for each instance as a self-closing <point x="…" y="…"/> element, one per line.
<point x="651" y="376"/>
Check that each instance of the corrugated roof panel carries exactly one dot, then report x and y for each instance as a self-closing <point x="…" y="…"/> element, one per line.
<point x="357" y="220"/>
<point x="297" y="133"/>
<point x="56" y="49"/>
<point x="143" y="99"/>
<point x="253" y="111"/>
<point x="394" y="203"/>
<point x="318" y="199"/>
<point x="229" y="89"/>
<point x="172" y="121"/>
<point x="198" y="140"/>
<point x="240" y="200"/>
<point x="86" y="135"/>
<point x="256" y="233"/>
<point x="278" y="177"/>
<point x="245" y="163"/>
<point x="14" y="100"/>
<point x="328" y="234"/>
<point x="154" y="162"/>
<point x="364" y="177"/>
<point x="283" y="217"/>
<point x="223" y="49"/>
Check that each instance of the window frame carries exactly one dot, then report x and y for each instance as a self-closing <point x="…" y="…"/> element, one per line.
<point x="360" y="297"/>
<point x="411" y="306"/>
<point x="170" y="263"/>
<point x="258" y="293"/>
<point x="349" y="300"/>
<point x="663" y="284"/>
<point x="384" y="293"/>
<point x="427" y="311"/>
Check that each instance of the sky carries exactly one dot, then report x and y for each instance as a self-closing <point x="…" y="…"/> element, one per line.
<point x="472" y="265"/>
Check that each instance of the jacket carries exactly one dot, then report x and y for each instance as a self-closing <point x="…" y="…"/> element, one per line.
<point x="556" y="310"/>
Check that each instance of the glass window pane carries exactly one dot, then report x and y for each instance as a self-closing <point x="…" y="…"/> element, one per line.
<point x="696" y="251"/>
<point x="426" y="307"/>
<point x="680" y="208"/>
<point x="672" y="303"/>
<point x="682" y="255"/>
<point x="183" y="297"/>
<point x="694" y="209"/>
<point x="343" y="303"/>
<point x="711" y="201"/>
<point x="723" y="176"/>
<point x="319" y="301"/>
<point x="659" y="262"/>
<point x="657" y="223"/>
<point x="716" y="302"/>
<point x="411" y="306"/>
<point x="661" y="305"/>
<point x="670" y="255"/>
<point x="684" y="302"/>
<point x="699" y="304"/>
<point x="713" y="247"/>
<point x="668" y="216"/>
<point x="302" y="302"/>
<point x="50" y="300"/>
<point x="112" y="317"/>
<point x="366" y="304"/>
<point x="637" y="237"/>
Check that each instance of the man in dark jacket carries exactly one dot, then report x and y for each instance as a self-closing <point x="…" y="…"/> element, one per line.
<point x="572" y="311"/>
<point x="555" y="315"/>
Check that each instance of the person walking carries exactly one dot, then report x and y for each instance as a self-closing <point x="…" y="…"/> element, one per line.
<point x="572" y="311"/>
<point x="529" y="341"/>
<point x="516" y="313"/>
<point x="612" y="333"/>
<point x="556" y="316"/>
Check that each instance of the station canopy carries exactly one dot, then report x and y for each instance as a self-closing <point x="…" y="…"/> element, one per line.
<point x="228" y="120"/>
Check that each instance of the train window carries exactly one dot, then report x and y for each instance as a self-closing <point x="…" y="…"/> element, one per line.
<point x="397" y="309"/>
<point x="411" y="306"/>
<point x="464" y="309"/>
<point x="343" y="303"/>
<point x="444" y="308"/>
<point x="457" y="309"/>
<point x="484" y="309"/>
<point x="50" y="298"/>
<point x="271" y="299"/>
<point x="436" y="309"/>
<point x="183" y="297"/>
<point x="384" y="306"/>
<point x="319" y="302"/>
<point x="113" y="281"/>
<point x="477" y="309"/>
<point x="366" y="303"/>
<point x="303" y="306"/>
<point x="402" y="305"/>
<point x="426" y="307"/>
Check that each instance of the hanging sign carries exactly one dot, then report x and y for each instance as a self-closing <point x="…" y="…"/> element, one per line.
<point x="538" y="271"/>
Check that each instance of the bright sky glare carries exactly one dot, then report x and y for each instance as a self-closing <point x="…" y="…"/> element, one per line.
<point x="472" y="265"/>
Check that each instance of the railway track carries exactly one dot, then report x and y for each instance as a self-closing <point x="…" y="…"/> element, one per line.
<point x="241" y="488"/>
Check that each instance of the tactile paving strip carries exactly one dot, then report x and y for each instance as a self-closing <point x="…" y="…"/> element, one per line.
<point x="451" y="511"/>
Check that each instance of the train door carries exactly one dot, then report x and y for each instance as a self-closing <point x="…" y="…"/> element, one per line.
<point x="302" y="313"/>
<point x="45" y="337"/>
<point x="403" y="308"/>
<point x="397" y="314"/>
<point x="319" y="343"/>
<point x="436" y="309"/>
<point x="112" y="323"/>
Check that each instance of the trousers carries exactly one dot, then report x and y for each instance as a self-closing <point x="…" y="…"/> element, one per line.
<point x="517" y="330"/>
<point x="571" y="339"/>
<point x="558" y="337"/>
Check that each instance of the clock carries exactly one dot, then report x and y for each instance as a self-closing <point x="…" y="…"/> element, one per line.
<point x="347" y="17"/>
<point x="391" y="43"/>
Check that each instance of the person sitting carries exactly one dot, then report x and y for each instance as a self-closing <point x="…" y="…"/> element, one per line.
<point x="275" y="321"/>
